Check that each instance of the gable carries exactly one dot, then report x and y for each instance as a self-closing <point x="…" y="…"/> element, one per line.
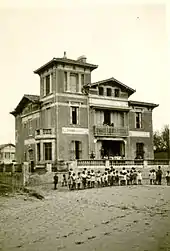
<point x="113" y="84"/>
<point x="27" y="104"/>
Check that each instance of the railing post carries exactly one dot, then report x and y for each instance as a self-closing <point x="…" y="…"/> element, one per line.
<point x="145" y="163"/>
<point x="107" y="163"/>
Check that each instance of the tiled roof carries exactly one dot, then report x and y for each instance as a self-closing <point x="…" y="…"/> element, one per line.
<point x="146" y="104"/>
<point x="114" y="80"/>
<point x="33" y="98"/>
<point x="66" y="61"/>
<point x="24" y="100"/>
<point x="4" y="145"/>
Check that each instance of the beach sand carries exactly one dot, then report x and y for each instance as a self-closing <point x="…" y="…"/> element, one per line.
<point x="104" y="219"/>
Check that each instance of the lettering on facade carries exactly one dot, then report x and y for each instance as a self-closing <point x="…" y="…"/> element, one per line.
<point x="139" y="134"/>
<point x="69" y="130"/>
<point x="105" y="102"/>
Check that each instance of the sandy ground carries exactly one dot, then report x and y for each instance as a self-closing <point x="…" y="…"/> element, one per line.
<point x="105" y="219"/>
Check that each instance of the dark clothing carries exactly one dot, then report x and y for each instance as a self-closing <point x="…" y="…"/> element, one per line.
<point x="159" y="176"/>
<point x="55" y="181"/>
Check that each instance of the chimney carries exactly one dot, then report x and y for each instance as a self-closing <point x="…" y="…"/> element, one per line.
<point x="65" y="54"/>
<point x="82" y="59"/>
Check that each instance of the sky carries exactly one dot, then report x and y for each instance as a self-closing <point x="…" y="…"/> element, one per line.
<point x="127" y="41"/>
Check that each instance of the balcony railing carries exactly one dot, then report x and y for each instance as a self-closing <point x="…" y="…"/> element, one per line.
<point x="47" y="131"/>
<point x="104" y="130"/>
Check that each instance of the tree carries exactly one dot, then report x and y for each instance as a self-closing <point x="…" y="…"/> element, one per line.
<point x="161" y="140"/>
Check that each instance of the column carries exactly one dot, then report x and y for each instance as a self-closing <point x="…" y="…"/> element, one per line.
<point x="68" y="81"/>
<point x="79" y="82"/>
<point x="41" y="151"/>
<point x="53" y="150"/>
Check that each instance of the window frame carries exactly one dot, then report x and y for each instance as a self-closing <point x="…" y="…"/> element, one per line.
<point x="77" y="114"/>
<point x="101" y="88"/>
<point x="138" y="122"/>
<point x="116" y="90"/>
<point x="110" y="91"/>
<point x="49" y="144"/>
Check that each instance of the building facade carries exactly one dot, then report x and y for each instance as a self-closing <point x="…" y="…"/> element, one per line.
<point x="7" y="153"/>
<point x="75" y="119"/>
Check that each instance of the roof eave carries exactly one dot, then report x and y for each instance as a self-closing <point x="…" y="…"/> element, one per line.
<point x="55" y="60"/>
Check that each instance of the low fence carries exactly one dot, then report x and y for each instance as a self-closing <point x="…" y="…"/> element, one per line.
<point x="11" y="177"/>
<point x="121" y="162"/>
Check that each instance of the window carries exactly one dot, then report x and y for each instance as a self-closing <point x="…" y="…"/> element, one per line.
<point x="74" y="82"/>
<point x="74" y="115"/>
<point x="65" y="81"/>
<point x="107" y="117"/>
<point x="30" y="127"/>
<point x="47" y="84"/>
<point x="48" y="117"/>
<point x="109" y="92"/>
<point x="38" y="152"/>
<point x="82" y="79"/>
<point x="139" y="150"/>
<point x="76" y="150"/>
<point x="48" y="151"/>
<point x="138" y="120"/>
<point x="7" y="155"/>
<point x="101" y="91"/>
<point x="117" y="93"/>
<point x="31" y="154"/>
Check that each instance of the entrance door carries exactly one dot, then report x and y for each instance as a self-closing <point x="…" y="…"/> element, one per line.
<point x="112" y="148"/>
<point x="107" y="119"/>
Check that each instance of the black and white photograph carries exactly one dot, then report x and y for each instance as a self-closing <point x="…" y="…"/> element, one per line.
<point x="84" y="129"/>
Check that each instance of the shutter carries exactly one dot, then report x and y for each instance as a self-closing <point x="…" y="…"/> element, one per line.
<point x="72" y="149"/>
<point x="77" y="114"/>
<point x="44" y="86"/>
<point x="80" y="149"/>
<point x="70" y="115"/>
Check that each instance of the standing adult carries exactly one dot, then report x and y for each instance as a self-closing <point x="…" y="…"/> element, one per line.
<point x="159" y="175"/>
<point x="55" y="181"/>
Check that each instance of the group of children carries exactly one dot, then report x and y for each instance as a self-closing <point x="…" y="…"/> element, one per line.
<point x="110" y="177"/>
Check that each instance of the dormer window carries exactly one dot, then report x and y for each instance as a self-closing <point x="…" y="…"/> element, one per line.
<point x="101" y="91"/>
<point x="109" y="92"/>
<point x="117" y="93"/>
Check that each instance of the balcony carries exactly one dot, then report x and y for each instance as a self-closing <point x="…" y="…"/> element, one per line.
<point x="45" y="133"/>
<point x="105" y="130"/>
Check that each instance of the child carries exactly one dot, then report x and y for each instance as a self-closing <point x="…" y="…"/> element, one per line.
<point x="139" y="178"/>
<point x="102" y="180"/>
<point x="111" y="177"/>
<point x="121" y="177"/>
<point x="92" y="178"/>
<point x="98" y="178"/>
<point x="88" y="179"/>
<point x="105" y="179"/>
<point x="108" y="178"/>
<point x="64" y="182"/>
<point x="128" y="178"/>
<point x="69" y="181"/>
<point x="117" y="178"/>
<point x="55" y="181"/>
<point x="124" y="176"/>
<point x="153" y="177"/>
<point x="73" y="181"/>
<point x="150" y="177"/>
<point x="135" y="177"/>
<point x="168" y="178"/>
<point x="131" y="177"/>
<point x="78" y="180"/>
<point x="83" y="176"/>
